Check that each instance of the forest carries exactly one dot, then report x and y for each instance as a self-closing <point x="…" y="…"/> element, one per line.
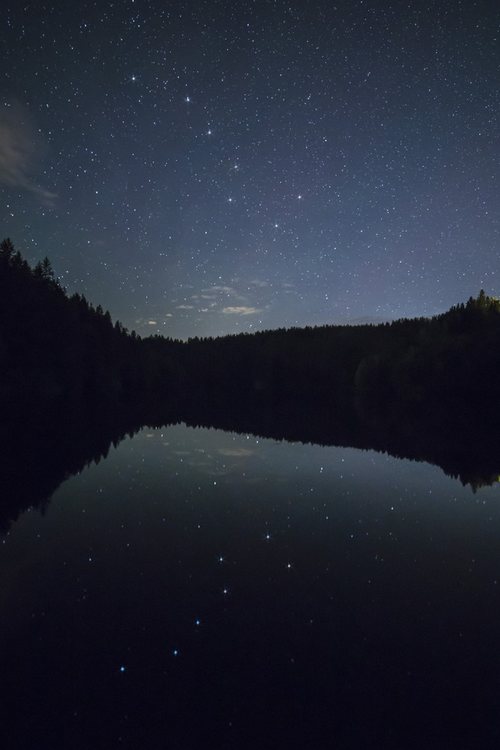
<point x="59" y="351"/>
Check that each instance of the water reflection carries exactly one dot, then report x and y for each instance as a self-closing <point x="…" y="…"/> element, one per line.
<point x="207" y="588"/>
<point x="36" y="457"/>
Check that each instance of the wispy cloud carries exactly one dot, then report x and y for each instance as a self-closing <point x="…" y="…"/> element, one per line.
<point x="221" y="289"/>
<point x="185" y="307"/>
<point x="260" y="283"/>
<point x="241" y="310"/>
<point x="20" y="150"/>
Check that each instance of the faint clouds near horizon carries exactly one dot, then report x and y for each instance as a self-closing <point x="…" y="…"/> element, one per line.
<point x="241" y="310"/>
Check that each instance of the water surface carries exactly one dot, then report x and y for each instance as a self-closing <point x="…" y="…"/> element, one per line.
<point x="199" y="588"/>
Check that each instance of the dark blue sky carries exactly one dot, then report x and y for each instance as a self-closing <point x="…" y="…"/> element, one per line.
<point x="209" y="167"/>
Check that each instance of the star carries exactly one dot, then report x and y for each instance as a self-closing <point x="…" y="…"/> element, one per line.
<point x="354" y="218"/>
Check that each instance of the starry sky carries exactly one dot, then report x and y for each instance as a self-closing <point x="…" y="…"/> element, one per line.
<point x="201" y="168"/>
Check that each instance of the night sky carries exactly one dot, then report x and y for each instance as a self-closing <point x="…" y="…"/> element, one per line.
<point x="200" y="168"/>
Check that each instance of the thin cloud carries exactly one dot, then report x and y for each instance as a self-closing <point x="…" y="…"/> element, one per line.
<point x="222" y="289"/>
<point x="241" y="310"/>
<point x="236" y="452"/>
<point x="20" y="150"/>
<point x="217" y="290"/>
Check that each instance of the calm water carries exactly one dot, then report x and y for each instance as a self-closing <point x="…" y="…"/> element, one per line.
<point x="205" y="589"/>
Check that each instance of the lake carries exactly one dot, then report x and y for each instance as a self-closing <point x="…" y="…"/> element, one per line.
<point x="200" y="588"/>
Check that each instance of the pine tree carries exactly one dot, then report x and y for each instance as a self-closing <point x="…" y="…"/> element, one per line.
<point x="6" y="250"/>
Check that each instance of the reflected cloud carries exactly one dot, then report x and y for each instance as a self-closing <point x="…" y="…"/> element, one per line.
<point x="236" y="452"/>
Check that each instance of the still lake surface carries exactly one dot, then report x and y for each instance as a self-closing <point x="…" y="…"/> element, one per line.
<point x="199" y="588"/>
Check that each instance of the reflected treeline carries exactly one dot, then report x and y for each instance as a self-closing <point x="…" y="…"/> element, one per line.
<point x="37" y="456"/>
<point x="72" y="383"/>
<point x="463" y="444"/>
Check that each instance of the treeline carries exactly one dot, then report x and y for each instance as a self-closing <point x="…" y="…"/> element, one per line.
<point x="449" y="360"/>
<point x="60" y="349"/>
<point x="56" y="348"/>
